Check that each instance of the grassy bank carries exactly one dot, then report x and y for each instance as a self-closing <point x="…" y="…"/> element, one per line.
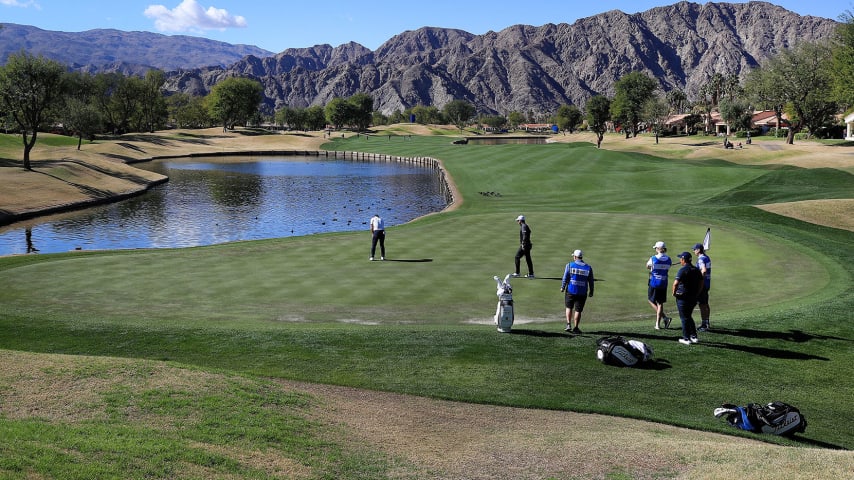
<point x="314" y="309"/>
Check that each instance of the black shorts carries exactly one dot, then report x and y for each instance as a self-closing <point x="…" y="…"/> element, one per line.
<point x="575" y="302"/>
<point x="657" y="295"/>
<point x="703" y="297"/>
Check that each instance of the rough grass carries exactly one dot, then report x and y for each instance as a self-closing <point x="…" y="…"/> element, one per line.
<point x="409" y="437"/>
<point x="836" y="213"/>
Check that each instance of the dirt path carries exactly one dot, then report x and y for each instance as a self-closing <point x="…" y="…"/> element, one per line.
<point x="452" y="440"/>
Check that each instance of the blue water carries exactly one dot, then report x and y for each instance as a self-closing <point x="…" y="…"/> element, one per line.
<point x="207" y="202"/>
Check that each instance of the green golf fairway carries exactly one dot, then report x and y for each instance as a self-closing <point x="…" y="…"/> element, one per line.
<point x="314" y="308"/>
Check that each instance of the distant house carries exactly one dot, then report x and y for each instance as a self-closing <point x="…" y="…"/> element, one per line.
<point x="537" y="127"/>
<point x="677" y="123"/>
<point x="849" y="126"/>
<point x="766" y="120"/>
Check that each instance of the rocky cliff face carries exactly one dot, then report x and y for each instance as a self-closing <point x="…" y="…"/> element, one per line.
<point x="529" y="68"/>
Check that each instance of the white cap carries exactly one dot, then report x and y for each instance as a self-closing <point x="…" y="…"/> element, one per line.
<point x="659" y="245"/>
<point x="578" y="253"/>
<point x="520" y="218"/>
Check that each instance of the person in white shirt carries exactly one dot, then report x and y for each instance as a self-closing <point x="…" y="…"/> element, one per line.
<point x="377" y="235"/>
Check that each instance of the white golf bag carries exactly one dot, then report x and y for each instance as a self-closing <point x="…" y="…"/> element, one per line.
<point x="504" y="311"/>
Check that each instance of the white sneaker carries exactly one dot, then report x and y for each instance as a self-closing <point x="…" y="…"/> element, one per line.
<point x="382" y="258"/>
<point x="514" y="275"/>
<point x="529" y="276"/>
<point x="684" y="341"/>
<point x="694" y="340"/>
<point x="371" y="259"/>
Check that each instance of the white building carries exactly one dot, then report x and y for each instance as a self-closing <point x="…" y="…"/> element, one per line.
<point x="849" y="126"/>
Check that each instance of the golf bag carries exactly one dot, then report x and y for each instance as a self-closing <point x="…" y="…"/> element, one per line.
<point x="621" y="352"/>
<point x="777" y="418"/>
<point x="504" y="311"/>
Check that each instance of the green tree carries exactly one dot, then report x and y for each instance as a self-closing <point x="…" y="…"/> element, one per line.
<point x="426" y="114"/>
<point x="711" y="93"/>
<point x="598" y="116"/>
<point x="234" y="101"/>
<point x="361" y="110"/>
<point x="337" y="112"/>
<point x="515" y="118"/>
<point x="79" y="115"/>
<point x="800" y="80"/>
<point x="568" y="117"/>
<point x="736" y="114"/>
<point x="315" y="118"/>
<point x="188" y="111"/>
<point x="631" y="92"/>
<point x="30" y="87"/>
<point x="151" y="105"/>
<point x="677" y="100"/>
<point x="494" y="121"/>
<point x="655" y="113"/>
<point x="104" y="85"/>
<point x="762" y="91"/>
<point x="459" y="112"/>
<point x="286" y="117"/>
<point x="124" y="102"/>
<point x="843" y="61"/>
<point x="82" y="118"/>
<point x="396" y="117"/>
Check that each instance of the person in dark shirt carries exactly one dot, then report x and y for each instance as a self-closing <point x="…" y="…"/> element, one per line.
<point x="525" y="246"/>
<point x="686" y="289"/>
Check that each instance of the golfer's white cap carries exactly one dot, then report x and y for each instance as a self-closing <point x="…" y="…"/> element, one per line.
<point x="659" y="245"/>
<point x="578" y="253"/>
<point x="520" y="218"/>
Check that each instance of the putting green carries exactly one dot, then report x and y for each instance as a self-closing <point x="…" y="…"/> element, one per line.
<point x="439" y="270"/>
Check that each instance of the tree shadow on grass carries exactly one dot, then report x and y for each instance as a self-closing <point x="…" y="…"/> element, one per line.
<point x="765" y="351"/>
<point x="8" y="162"/>
<point x="754" y="350"/>
<point x="816" y="443"/>
<point x="797" y="336"/>
<point x="536" y="333"/>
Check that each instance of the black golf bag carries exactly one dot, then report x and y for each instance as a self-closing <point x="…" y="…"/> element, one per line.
<point x="777" y="418"/>
<point x="622" y="352"/>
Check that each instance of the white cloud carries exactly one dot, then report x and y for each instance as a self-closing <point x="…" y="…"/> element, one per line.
<point x="190" y="16"/>
<point x="16" y="3"/>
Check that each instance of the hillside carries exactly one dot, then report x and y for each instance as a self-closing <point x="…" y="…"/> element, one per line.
<point x="127" y="52"/>
<point x="528" y="68"/>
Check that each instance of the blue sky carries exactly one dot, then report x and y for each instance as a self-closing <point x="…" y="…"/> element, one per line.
<point x="279" y="24"/>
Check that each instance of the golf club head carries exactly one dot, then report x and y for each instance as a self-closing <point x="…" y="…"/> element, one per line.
<point x="720" y="411"/>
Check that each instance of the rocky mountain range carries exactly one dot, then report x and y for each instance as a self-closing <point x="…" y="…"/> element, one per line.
<point x="131" y="53"/>
<point x="523" y="68"/>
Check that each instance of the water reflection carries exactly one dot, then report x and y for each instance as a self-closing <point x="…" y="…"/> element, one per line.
<point x="207" y="202"/>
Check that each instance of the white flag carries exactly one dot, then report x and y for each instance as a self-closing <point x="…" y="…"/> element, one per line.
<point x="707" y="241"/>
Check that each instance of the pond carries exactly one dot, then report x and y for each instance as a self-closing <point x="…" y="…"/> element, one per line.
<point x="215" y="200"/>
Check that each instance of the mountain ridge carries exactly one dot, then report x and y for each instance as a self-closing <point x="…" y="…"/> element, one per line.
<point x="528" y="68"/>
<point x="531" y="69"/>
<point x="130" y="52"/>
